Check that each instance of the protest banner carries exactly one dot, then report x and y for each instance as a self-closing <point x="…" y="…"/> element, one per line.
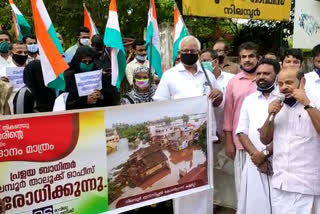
<point x="53" y="164"/>
<point x="306" y="24"/>
<point x="15" y="76"/>
<point x="107" y="160"/>
<point x="87" y="82"/>
<point x="244" y="9"/>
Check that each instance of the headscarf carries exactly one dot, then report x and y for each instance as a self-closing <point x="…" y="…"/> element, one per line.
<point x="33" y="79"/>
<point x="82" y="51"/>
<point x="142" y="97"/>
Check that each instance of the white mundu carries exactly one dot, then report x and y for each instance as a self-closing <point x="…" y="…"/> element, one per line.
<point x="254" y="187"/>
<point x="296" y="146"/>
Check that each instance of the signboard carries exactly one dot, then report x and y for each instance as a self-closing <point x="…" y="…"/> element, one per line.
<point x="105" y="161"/>
<point x="244" y="9"/>
<point x="15" y="76"/>
<point x="306" y="24"/>
<point x="87" y="82"/>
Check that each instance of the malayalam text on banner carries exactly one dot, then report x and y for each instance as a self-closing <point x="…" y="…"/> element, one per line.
<point x="244" y="9"/>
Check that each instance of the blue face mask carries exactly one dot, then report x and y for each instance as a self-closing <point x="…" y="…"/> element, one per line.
<point x="32" y="48"/>
<point x="208" y="66"/>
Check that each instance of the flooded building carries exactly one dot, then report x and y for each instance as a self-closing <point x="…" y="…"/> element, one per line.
<point x="112" y="140"/>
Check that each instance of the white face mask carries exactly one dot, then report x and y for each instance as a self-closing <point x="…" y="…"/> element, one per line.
<point x="85" y="42"/>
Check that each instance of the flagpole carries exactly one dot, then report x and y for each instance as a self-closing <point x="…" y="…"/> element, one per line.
<point x="150" y="70"/>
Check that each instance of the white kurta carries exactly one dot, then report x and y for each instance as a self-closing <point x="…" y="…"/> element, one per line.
<point x="254" y="189"/>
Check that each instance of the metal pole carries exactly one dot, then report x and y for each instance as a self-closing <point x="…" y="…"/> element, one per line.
<point x="150" y="70"/>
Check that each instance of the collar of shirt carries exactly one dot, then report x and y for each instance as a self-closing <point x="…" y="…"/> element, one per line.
<point x="242" y="75"/>
<point x="181" y="68"/>
<point x="274" y="93"/>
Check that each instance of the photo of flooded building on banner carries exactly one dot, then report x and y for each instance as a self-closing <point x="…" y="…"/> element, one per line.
<point x="155" y="155"/>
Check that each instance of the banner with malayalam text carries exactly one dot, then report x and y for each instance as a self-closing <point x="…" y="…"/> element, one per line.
<point x="107" y="160"/>
<point x="52" y="164"/>
<point x="243" y="9"/>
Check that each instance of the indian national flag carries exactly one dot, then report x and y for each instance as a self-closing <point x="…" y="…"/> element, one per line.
<point x="88" y="22"/>
<point x="179" y="31"/>
<point x="21" y="25"/>
<point x="153" y="34"/>
<point x="50" y="49"/>
<point x="112" y="39"/>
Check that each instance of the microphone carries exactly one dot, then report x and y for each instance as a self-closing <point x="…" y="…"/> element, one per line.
<point x="281" y="98"/>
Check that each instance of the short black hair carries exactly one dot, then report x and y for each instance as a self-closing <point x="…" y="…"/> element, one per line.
<point x="97" y="42"/>
<point x="274" y="63"/>
<point x="5" y="33"/>
<point x="249" y="46"/>
<point x="138" y="42"/>
<point x="24" y="39"/>
<point x="17" y="43"/>
<point x="316" y="51"/>
<point x="295" y="52"/>
<point x="83" y="29"/>
<point x="214" y="54"/>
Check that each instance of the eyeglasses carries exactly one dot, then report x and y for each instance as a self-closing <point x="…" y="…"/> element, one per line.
<point x="187" y="51"/>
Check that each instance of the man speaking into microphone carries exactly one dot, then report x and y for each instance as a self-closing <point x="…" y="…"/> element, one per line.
<point x="295" y="132"/>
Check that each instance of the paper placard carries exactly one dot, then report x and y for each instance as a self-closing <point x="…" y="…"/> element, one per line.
<point x="87" y="82"/>
<point x="15" y="76"/>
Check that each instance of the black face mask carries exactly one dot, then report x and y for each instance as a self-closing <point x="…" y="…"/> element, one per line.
<point x="189" y="59"/>
<point x="249" y="71"/>
<point x="221" y="59"/>
<point x="290" y="101"/>
<point x="20" y="59"/>
<point x="266" y="88"/>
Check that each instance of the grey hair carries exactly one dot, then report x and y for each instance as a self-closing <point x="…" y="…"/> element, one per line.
<point x="189" y="38"/>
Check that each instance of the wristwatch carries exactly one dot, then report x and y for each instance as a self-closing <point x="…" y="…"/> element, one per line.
<point x="311" y="105"/>
<point x="266" y="152"/>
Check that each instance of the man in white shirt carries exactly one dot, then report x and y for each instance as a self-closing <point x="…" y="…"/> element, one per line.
<point x="294" y="128"/>
<point x="83" y="39"/>
<point x="187" y="79"/>
<point x="255" y="184"/>
<point x="313" y="78"/>
<point x="224" y="186"/>
<point x="140" y="60"/>
<point x="5" y="58"/>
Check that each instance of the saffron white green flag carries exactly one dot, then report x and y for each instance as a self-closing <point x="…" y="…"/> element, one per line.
<point x="113" y="39"/>
<point x="154" y="54"/>
<point x="88" y="22"/>
<point x="21" y="25"/>
<point x="179" y="31"/>
<point x="50" y="49"/>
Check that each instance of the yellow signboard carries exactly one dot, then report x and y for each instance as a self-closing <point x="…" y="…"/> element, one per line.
<point x="244" y="9"/>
